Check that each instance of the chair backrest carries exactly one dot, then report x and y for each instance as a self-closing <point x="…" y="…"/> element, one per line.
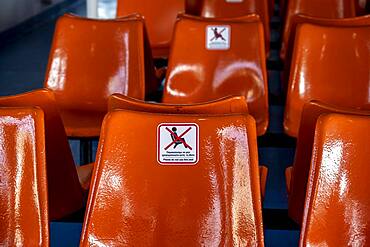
<point x="324" y="74"/>
<point x="23" y="182"/>
<point x="301" y="167"/>
<point x="316" y="8"/>
<point x="91" y="59"/>
<point x="203" y="191"/>
<point x="337" y="209"/>
<point x="287" y="46"/>
<point x="230" y="9"/>
<point x="217" y="66"/>
<point x="160" y="17"/>
<point x="231" y="104"/>
<point x="65" y="193"/>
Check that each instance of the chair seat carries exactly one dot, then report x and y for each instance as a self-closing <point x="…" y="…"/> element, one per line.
<point x="65" y="195"/>
<point x="160" y="17"/>
<point x="91" y="59"/>
<point x="79" y="123"/>
<point x="24" y="205"/>
<point x="200" y="71"/>
<point x="315" y="8"/>
<point x="337" y="206"/>
<point x="297" y="175"/>
<point x="148" y="191"/>
<point x="326" y="75"/>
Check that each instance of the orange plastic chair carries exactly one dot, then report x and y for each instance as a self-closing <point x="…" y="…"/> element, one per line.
<point x="23" y="183"/>
<point x="297" y="175"/>
<point x="231" y="104"/>
<point x="92" y="59"/>
<point x="227" y="105"/>
<point x="338" y="203"/>
<point x="160" y="17"/>
<point x="230" y="9"/>
<point x="206" y="74"/>
<point x="315" y="8"/>
<point x="65" y="192"/>
<point x="287" y="47"/>
<point x="324" y="74"/>
<point x="213" y="199"/>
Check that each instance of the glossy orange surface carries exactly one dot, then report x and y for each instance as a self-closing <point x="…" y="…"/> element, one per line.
<point x="224" y="9"/>
<point x="338" y="202"/>
<point x="231" y="104"/>
<point x="23" y="183"/>
<point x="203" y="75"/>
<point x="227" y="105"/>
<point x="64" y="190"/>
<point x="320" y="72"/>
<point x="315" y="8"/>
<point x="160" y="17"/>
<point x="215" y="202"/>
<point x="92" y="59"/>
<point x="301" y="167"/>
<point x="288" y="45"/>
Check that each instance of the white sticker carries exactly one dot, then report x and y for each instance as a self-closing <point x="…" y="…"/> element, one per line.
<point x="218" y="37"/>
<point x="234" y="1"/>
<point x="177" y="143"/>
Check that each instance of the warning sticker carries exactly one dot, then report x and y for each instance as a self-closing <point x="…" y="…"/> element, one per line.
<point x="218" y="37"/>
<point x="177" y="143"/>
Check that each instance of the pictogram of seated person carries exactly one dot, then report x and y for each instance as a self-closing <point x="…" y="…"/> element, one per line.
<point x="174" y="137"/>
<point x="218" y="35"/>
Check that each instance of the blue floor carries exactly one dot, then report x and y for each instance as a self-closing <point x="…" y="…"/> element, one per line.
<point x="22" y="68"/>
<point x="68" y="234"/>
<point x="23" y="61"/>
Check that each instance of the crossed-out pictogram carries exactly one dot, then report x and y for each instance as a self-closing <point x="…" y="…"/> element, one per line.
<point x="177" y="139"/>
<point x="218" y="35"/>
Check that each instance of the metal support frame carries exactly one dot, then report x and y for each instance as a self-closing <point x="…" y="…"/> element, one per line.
<point x="86" y="151"/>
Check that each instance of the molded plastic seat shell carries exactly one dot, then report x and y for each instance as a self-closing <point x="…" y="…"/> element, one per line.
<point x="315" y="8"/>
<point x="301" y="167"/>
<point x="227" y="105"/>
<point x="197" y="75"/>
<point x="160" y="17"/>
<point x="320" y="72"/>
<point x="214" y="202"/>
<point x="23" y="183"/>
<point x="288" y="45"/>
<point x="337" y="209"/>
<point x="92" y="59"/>
<point x="225" y="9"/>
<point x="64" y="189"/>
